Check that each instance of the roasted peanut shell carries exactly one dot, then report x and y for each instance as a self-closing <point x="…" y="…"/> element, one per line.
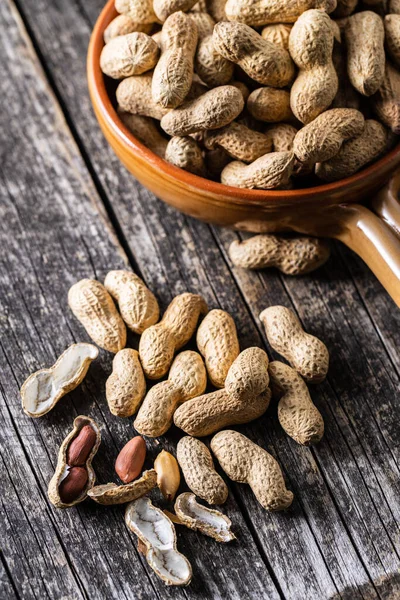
<point x="173" y="73"/>
<point x="262" y="61"/>
<point x="137" y="304"/>
<point x="246" y="462"/>
<point x="121" y="25"/>
<point x="134" y="96"/>
<point x="140" y="11"/>
<point x="126" y="386"/>
<point x="281" y="136"/>
<point x="197" y="466"/>
<point x="273" y="170"/>
<point x="187" y="379"/>
<point x="322" y="139"/>
<point x="365" y="36"/>
<point x="306" y="353"/>
<point x="211" y="67"/>
<point x="392" y="37"/>
<point x="355" y="153"/>
<point x="165" y="8"/>
<point x="278" y="34"/>
<point x="145" y="130"/>
<point x="297" y="413"/>
<point x="211" y="412"/>
<point x="239" y="142"/>
<point x="263" y="12"/>
<point x="311" y="44"/>
<point x="248" y="375"/>
<point x="270" y="105"/>
<point x="386" y="101"/>
<point x="292" y="256"/>
<point x="159" y="342"/>
<point x="185" y="153"/>
<point x="130" y="54"/>
<point x="94" y="308"/>
<point x="217" y="341"/>
<point x="182" y="316"/>
<point x="212" y="110"/>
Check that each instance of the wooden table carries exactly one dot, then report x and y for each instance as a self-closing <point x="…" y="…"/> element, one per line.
<point x="69" y="210"/>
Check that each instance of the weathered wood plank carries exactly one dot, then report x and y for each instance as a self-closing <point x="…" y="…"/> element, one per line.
<point x="164" y="245"/>
<point x="381" y="309"/>
<point x="42" y="179"/>
<point x="6" y="585"/>
<point x="362" y="471"/>
<point x="54" y="232"/>
<point x="178" y="275"/>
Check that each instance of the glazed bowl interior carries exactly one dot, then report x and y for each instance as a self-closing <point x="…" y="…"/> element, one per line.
<point x="137" y="157"/>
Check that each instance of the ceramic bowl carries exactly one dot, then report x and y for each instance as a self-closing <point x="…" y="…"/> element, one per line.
<point x="336" y="210"/>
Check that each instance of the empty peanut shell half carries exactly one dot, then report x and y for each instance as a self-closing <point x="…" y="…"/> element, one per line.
<point x="43" y="389"/>
<point x="71" y="482"/>
<point x="110" y="493"/>
<point x="206" y="520"/>
<point x="157" y="533"/>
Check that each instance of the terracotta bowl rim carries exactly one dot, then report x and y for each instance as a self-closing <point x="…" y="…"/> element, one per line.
<point x="100" y="95"/>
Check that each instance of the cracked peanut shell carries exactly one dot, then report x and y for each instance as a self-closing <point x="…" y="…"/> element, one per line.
<point x="208" y="521"/>
<point x="157" y="534"/>
<point x="61" y="471"/>
<point x="110" y="493"/>
<point x="44" y="388"/>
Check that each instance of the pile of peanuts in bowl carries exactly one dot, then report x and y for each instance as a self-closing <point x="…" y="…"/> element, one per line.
<point x="258" y="94"/>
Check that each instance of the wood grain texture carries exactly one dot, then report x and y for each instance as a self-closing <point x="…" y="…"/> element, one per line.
<point x="341" y="537"/>
<point x="55" y="232"/>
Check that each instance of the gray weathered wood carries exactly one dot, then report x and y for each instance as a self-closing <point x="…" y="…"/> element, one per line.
<point x="340" y="539"/>
<point x="54" y="231"/>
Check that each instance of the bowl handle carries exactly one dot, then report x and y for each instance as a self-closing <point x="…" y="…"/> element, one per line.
<point x="375" y="237"/>
<point x="386" y="203"/>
